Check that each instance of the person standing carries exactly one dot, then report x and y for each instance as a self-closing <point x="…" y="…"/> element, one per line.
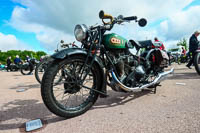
<point x="193" y="46"/>
<point x="183" y="51"/>
<point x="17" y="60"/>
<point x="162" y="47"/>
<point x="8" y="61"/>
<point x="27" y="58"/>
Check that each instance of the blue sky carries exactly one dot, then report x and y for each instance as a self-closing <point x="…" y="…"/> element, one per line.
<point x="50" y="21"/>
<point x="6" y="9"/>
<point x="193" y="3"/>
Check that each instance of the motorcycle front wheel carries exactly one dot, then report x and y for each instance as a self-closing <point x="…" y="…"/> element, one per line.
<point x="73" y="95"/>
<point x="26" y="69"/>
<point x="197" y="62"/>
<point x="40" y="69"/>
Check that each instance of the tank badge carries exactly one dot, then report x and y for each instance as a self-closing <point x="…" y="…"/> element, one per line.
<point x="115" y="40"/>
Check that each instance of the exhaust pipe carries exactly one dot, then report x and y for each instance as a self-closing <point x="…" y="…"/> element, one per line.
<point x="158" y="79"/>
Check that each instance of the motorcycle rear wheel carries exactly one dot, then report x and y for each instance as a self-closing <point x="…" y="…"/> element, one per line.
<point x="74" y="96"/>
<point x="197" y="62"/>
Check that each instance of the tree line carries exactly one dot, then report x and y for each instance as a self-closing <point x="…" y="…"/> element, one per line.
<point x="22" y="55"/>
<point x="183" y="43"/>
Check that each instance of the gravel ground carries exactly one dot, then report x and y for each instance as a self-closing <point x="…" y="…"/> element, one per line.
<point x="174" y="108"/>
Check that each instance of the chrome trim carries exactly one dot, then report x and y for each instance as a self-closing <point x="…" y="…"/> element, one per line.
<point x="149" y="52"/>
<point x="84" y="29"/>
<point x="158" y="79"/>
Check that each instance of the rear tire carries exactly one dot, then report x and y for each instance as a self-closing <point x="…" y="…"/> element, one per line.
<point x="70" y="87"/>
<point x="197" y="62"/>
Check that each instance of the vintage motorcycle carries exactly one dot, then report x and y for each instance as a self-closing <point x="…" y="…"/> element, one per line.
<point x="197" y="60"/>
<point x="28" y="67"/>
<point x="105" y="59"/>
<point x="46" y="60"/>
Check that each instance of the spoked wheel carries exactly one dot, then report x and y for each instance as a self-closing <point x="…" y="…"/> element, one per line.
<point x="73" y="95"/>
<point x="26" y="69"/>
<point x="40" y="69"/>
<point x="197" y="62"/>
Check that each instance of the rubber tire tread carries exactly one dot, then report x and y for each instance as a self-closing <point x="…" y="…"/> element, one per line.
<point x="196" y="59"/>
<point x="46" y="89"/>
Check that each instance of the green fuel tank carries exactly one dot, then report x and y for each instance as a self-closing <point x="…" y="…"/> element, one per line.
<point x="114" y="41"/>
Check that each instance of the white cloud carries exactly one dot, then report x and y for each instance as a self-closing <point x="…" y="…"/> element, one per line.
<point x="54" y="20"/>
<point x="10" y="42"/>
<point x="50" y="38"/>
<point x="181" y="24"/>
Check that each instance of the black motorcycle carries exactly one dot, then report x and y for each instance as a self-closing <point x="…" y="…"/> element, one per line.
<point x="105" y="59"/>
<point x="28" y="67"/>
<point x="15" y="67"/>
<point x="43" y="64"/>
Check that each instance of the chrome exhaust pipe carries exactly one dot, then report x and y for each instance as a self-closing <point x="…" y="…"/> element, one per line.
<point x="158" y="79"/>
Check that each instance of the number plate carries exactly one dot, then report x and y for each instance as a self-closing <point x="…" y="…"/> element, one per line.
<point x="33" y="125"/>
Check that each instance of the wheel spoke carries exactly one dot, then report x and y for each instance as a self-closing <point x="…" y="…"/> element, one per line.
<point x="72" y="91"/>
<point x="59" y="90"/>
<point x="64" y="82"/>
<point x="59" y="94"/>
<point x="64" y="95"/>
<point x="87" y="87"/>
<point x="68" y="74"/>
<point x="67" y="101"/>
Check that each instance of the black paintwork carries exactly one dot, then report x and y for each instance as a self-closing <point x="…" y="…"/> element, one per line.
<point x="66" y="53"/>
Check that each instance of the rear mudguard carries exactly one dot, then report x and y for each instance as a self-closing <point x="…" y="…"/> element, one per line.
<point x="66" y="53"/>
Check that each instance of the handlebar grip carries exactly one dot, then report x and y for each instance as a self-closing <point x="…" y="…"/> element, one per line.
<point x="130" y="18"/>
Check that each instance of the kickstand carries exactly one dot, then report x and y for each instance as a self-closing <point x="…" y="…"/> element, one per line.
<point x="155" y="88"/>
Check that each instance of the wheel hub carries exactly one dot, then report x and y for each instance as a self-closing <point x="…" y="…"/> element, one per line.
<point x="71" y="87"/>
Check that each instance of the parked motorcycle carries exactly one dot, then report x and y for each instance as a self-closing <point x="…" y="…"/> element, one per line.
<point x="28" y="67"/>
<point x="15" y="67"/>
<point x="86" y="72"/>
<point x="183" y="59"/>
<point x="2" y="67"/>
<point x="197" y="60"/>
<point x="43" y="64"/>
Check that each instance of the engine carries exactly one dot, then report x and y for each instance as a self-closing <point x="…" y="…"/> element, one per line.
<point x="129" y="72"/>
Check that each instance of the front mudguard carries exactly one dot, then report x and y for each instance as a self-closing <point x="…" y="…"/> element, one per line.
<point x="66" y="53"/>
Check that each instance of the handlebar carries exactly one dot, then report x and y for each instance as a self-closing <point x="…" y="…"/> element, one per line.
<point x="64" y="45"/>
<point x="130" y="18"/>
<point x="142" y="22"/>
<point x="68" y="45"/>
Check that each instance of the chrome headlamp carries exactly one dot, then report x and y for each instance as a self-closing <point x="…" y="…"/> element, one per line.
<point x="80" y="32"/>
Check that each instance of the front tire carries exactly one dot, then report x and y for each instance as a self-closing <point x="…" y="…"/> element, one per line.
<point x="197" y="62"/>
<point x="71" y="87"/>
<point x="40" y="69"/>
<point x="26" y="69"/>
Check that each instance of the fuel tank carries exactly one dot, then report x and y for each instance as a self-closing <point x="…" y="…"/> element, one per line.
<point x="114" y="41"/>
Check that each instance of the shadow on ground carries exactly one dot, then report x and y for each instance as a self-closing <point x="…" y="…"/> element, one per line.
<point x="186" y="75"/>
<point x="119" y="98"/>
<point x="30" y="86"/>
<point x="21" y="111"/>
